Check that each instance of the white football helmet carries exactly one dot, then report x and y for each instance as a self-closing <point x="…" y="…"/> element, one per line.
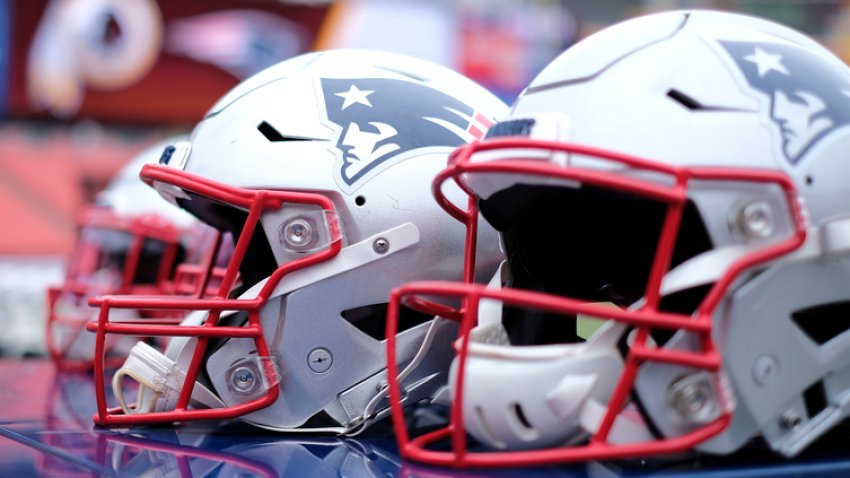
<point x="321" y="167"/>
<point x="683" y="177"/>
<point x="130" y="241"/>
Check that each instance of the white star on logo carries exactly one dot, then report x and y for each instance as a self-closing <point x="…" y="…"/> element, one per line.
<point x="355" y="95"/>
<point x="766" y="62"/>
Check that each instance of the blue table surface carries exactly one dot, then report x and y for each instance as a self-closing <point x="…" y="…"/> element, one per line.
<point x="46" y="430"/>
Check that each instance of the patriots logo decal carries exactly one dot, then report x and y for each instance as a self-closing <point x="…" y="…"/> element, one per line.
<point x="809" y="96"/>
<point x="374" y="129"/>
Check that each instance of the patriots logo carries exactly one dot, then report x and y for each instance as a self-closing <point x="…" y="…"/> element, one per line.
<point x="809" y="96"/>
<point x="379" y="122"/>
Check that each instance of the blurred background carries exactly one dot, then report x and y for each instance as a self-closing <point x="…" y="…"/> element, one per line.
<point x="87" y="84"/>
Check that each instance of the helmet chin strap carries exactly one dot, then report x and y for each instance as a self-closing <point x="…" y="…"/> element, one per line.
<point x="161" y="376"/>
<point x="557" y="395"/>
<point x="160" y="381"/>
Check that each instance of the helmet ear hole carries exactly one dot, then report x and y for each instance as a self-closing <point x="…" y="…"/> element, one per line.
<point x="360" y="200"/>
<point x="520" y="416"/>
<point x="815" y="399"/>
<point x="521" y="425"/>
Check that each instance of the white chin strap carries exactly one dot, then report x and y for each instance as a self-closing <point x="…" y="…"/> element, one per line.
<point x="160" y="377"/>
<point x="160" y="382"/>
<point x="525" y="397"/>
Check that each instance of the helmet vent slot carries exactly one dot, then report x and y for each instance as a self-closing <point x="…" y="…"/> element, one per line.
<point x="824" y="322"/>
<point x="684" y="100"/>
<point x="521" y="424"/>
<point x="274" y="135"/>
<point x="372" y="319"/>
<point x="815" y="398"/>
<point x="520" y="416"/>
<point x="693" y="104"/>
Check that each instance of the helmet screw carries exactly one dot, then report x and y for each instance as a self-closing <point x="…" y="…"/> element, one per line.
<point x="243" y="379"/>
<point x="692" y="398"/>
<point x="381" y="245"/>
<point x="320" y="360"/>
<point x="297" y="234"/>
<point x="764" y="370"/>
<point x="755" y="220"/>
<point x="790" y="419"/>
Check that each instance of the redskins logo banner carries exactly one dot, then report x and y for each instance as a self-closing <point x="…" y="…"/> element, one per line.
<point x="149" y="61"/>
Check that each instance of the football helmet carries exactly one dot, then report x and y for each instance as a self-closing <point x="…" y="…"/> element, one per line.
<point x="320" y="167"/>
<point x="680" y="178"/>
<point x="130" y="241"/>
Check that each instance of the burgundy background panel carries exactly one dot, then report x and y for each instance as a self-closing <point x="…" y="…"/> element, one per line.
<point x="176" y="90"/>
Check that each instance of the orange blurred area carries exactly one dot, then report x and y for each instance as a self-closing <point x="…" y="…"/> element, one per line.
<point x="45" y="178"/>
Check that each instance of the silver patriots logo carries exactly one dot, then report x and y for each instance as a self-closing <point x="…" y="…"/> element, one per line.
<point x="809" y="96"/>
<point x="379" y="122"/>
